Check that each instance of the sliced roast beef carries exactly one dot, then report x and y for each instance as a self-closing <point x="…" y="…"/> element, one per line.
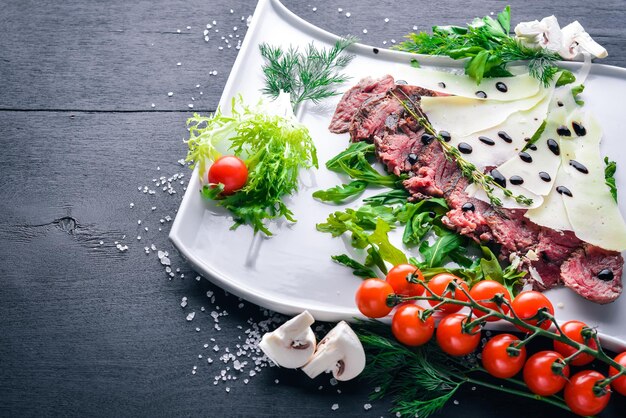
<point x="366" y="89"/>
<point x="372" y="111"/>
<point x="594" y="273"/>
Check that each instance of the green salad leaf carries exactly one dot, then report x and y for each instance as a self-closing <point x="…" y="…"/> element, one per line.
<point x="274" y="149"/>
<point x="487" y="46"/>
<point x="609" y="176"/>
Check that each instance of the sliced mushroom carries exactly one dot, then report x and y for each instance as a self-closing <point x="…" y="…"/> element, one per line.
<point x="292" y="344"/>
<point x="340" y="352"/>
<point x="545" y="33"/>
<point x="576" y="39"/>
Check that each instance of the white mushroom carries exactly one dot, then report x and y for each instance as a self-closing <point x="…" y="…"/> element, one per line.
<point x="292" y="344"/>
<point x="576" y="39"/>
<point x="546" y="34"/>
<point x="340" y="352"/>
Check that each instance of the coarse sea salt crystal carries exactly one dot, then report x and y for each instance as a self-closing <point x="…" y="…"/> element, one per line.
<point x="191" y="316"/>
<point x="335" y="407"/>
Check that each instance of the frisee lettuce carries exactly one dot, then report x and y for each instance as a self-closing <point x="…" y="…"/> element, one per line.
<point x="274" y="147"/>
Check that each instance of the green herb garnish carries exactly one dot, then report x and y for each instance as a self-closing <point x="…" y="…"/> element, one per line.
<point x="576" y="91"/>
<point x="308" y="75"/>
<point x="274" y="149"/>
<point x="487" y="45"/>
<point x="609" y="176"/>
<point x="354" y="161"/>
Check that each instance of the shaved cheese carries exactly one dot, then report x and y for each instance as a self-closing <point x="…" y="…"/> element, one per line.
<point x="552" y="212"/>
<point x="591" y="209"/>
<point x="517" y="87"/>
<point x="518" y="127"/>
<point x="462" y="116"/>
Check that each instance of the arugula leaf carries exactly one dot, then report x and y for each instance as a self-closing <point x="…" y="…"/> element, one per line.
<point x="391" y="197"/>
<point x="415" y="63"/>
<point x="436" y="254"/>
<point x="504" y="18"/>
<point x="565" y="78"/>
<point x="364" y="218"/>
<point x="536" y="135"/>
<point x="358" y="268"/>
<point x="576" y="91"/>
<point x="609" y="176"/>
<point x="387" y="251"/>
<point x="419" y="218"/>
<point x="350" y="155"/>
<point x="342" y="192"/>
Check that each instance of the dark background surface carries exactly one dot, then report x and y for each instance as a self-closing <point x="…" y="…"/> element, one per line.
<point x="88" y="330"/>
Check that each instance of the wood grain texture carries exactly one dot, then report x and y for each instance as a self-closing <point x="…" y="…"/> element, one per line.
<point x="87" y="330"/>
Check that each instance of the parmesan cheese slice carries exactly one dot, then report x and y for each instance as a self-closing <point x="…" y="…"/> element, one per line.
<point x="518" y="127"/>
<point x="517" y="87"/>
<point x="591" y="210"/>
<point x="462" y="116"/>
<point x="551" y="213"/>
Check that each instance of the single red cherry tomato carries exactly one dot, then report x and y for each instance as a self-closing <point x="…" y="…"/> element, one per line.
<point x="398" y="279"/>
<point x="371" y="298"/>
<point x="485" y="290"/>
<point x="619" y="384"/>
<point x="498" y="361"/>
<point x="229" y="170"/>
<point x="583" y="397"/>
<point x="574" y="329"/>
<point x="452" y="337"/>
<point x="527" y="304"/>
<point x="541" y="375"/>
<point x="439" y="286"/>
<point x="409" y="329"/>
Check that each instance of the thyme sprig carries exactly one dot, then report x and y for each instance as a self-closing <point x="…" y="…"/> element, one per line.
<point x="469" y="170"/>
<point x="422" y="379"/>
<point x="309" y="75"/>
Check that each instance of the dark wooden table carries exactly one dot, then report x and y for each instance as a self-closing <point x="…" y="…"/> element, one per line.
<point x="86" y="124"/>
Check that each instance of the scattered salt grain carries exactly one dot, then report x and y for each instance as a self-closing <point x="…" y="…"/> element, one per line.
<point x="348" y="14"/>
<point x="367" y="406"/>
<point x="197" y="329"/>
<point x="132" y="205"/>
<point x="314" y="9"/>
<point x="386" y="20"/>
<point x="364" y="30"/>
<point x="335" y="407"/>
<point x="179" y="64"/>
<point x="183" y="302"/>
<point x="191" y="316"/>
<point x="170" y="94"/>
<point x="560" y="305"/>
<point x="190" y="106"/>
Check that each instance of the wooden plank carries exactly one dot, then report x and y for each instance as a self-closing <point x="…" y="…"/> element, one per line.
<point x="122" y="56"/>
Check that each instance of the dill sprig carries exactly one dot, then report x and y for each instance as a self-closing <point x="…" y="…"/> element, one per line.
<point x="469" y="170"/>
<point x="308" y="75"/>
<point x="487" y="45"/>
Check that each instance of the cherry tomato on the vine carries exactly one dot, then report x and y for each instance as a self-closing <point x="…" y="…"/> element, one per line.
<point x="409" y="329"/>
<point x="527" y="304"/>
<point x="398" y="279"/>
<point x="542" y="376"/>
<point x="371" y="298"/>
<point x="580" y="393"/>
<point x="452" y="337"/>
<point x="498" y="361"/>
<point x="619" y="384"/>
<point x="485" y="290"/>
<point x="439" y="286"/>
<point x="574" y="329"/>
<point x="229" y="170"/>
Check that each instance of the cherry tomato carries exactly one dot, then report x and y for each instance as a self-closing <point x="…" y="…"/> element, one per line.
<point x="230" y="171"/>
<point x="540" y="375"/>
<point x="498" y="361"/>
<point x="573" y="329"/>
<point x="580" y="394"/>
<point x="371" y="298"/>
<point x="409" y="329"/>
<point x="619" y="384"/>
<point x="485" y="290"/>
<point x="439" y="286"/>
<point x="453" y="339"/>
<point x="398" y="279"/>
<point x="527" y="304"/>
